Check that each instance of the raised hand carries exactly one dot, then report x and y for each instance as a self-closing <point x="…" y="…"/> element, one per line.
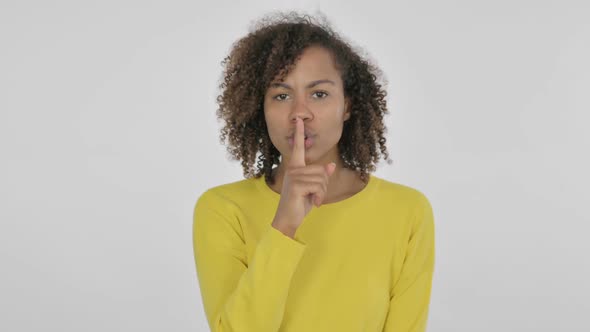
<point x="303" y="186"/>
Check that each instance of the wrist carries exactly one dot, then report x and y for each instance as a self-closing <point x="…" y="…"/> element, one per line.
<point x="284" y="228"/>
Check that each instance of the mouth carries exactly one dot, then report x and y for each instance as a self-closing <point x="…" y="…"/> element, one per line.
<point x="307" y="134"/>
<point x="306" y="137"/>
<point x="308" y="141"/>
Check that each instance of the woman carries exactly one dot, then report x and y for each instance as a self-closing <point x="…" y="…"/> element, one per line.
<point x="316" y="243"/>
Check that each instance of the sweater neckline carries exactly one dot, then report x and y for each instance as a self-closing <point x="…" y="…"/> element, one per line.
<point x="363" y="194"/>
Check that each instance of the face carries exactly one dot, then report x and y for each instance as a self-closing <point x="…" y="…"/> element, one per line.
<point x="313" y="91"/>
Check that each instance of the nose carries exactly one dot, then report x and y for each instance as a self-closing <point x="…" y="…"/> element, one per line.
<point x="300" y="110"/>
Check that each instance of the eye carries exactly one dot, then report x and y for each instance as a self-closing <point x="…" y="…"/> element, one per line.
<point x="321" y="93"/>
<point x="278" y="97"/>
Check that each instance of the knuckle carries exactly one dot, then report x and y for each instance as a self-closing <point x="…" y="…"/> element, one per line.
<point x="322" y="198"/>
<point x="321" y="188"/>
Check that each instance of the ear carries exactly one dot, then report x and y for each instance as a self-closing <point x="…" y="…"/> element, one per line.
<point x="346" y="109"/>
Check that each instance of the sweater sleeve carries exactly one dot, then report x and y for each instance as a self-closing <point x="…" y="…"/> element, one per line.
<point x="409" y="303"/>
<point x="239" y="294"/>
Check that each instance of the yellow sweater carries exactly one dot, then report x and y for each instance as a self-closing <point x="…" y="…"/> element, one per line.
<point x="363" y="264"/>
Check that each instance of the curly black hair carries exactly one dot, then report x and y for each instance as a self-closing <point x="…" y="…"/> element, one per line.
<point x="268" y="52"/>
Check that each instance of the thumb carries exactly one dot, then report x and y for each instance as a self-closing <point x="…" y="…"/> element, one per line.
<point x="330" y="168"/>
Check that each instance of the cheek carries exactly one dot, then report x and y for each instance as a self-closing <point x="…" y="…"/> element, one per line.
<point x="271" y="125"/>
<point x="336" y="128"/>
<point x="273" y="131"/>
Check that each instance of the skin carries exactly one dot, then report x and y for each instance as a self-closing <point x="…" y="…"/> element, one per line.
<point x="323" y="109"/>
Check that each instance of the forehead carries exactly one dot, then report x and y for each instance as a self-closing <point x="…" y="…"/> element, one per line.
<point x="314" y="63"/>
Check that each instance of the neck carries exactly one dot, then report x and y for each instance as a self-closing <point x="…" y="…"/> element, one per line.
<point x="342" y="180"/>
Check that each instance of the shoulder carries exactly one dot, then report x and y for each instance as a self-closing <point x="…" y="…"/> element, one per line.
<point x="400" y="193"/>
<point x="227" y="194"/>
<point x="410" y="202"/>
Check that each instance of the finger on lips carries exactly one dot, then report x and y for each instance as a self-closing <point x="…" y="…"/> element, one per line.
<point x="298" y="155"/>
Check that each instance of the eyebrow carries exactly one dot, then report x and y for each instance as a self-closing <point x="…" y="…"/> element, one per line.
<point x="310" y="85"/>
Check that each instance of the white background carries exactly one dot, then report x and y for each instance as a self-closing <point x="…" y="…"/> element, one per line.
<point x="108" y="135"/>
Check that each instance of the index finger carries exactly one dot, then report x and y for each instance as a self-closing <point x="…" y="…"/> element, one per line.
<point x="298" y="153"/>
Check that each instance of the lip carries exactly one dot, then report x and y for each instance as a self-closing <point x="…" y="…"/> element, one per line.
<point x="308" y="141"/>
<point x="305" y="136"/>
<point x="307" y="133"/>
